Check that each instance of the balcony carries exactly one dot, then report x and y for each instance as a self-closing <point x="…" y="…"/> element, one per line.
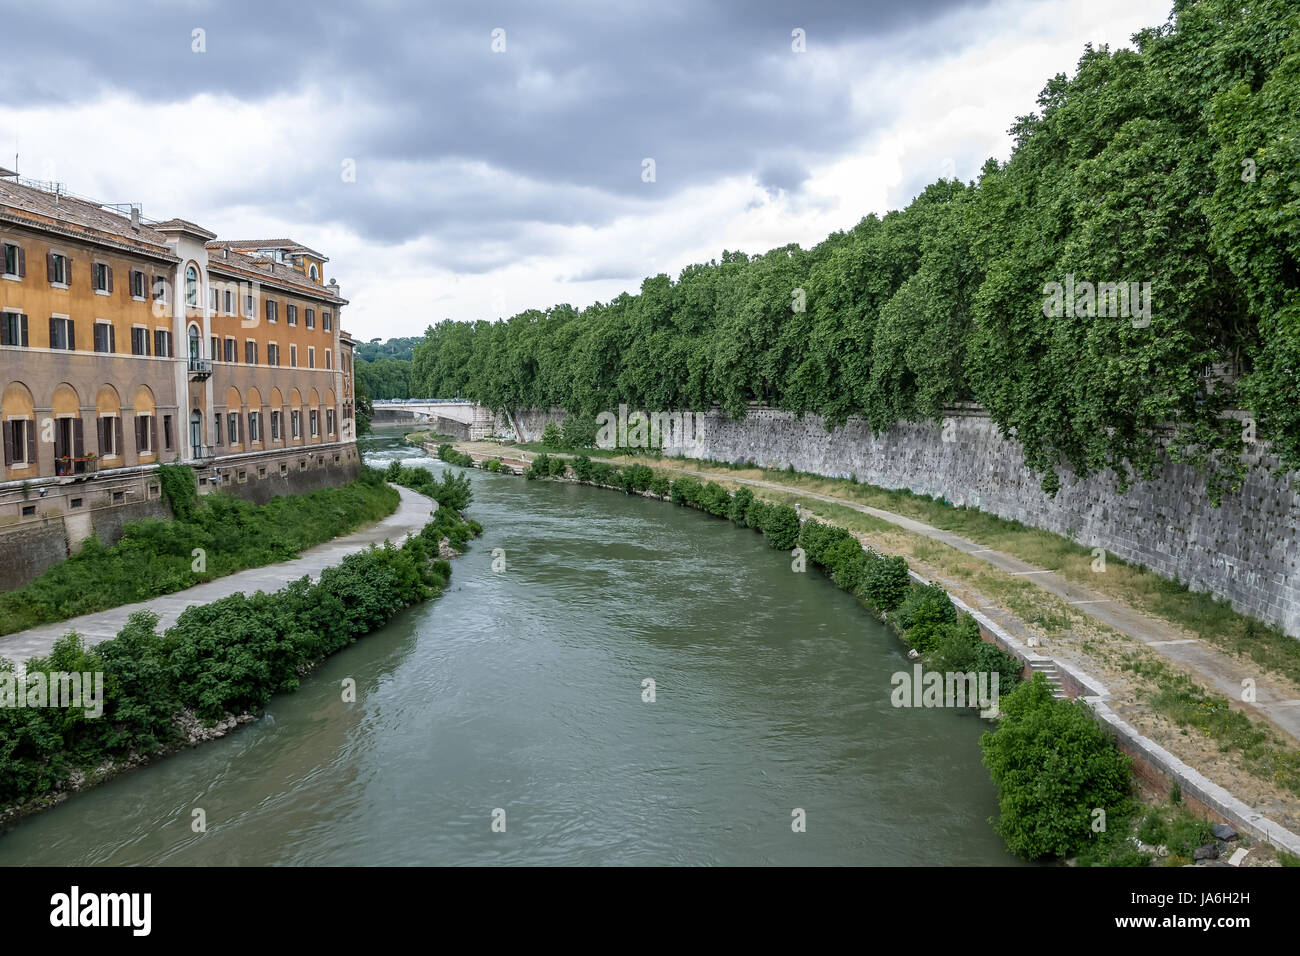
<point x="200" y="369"/>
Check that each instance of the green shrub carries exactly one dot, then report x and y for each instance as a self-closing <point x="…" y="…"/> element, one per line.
<point x="1052" y="765"/>
<point x="885" y="582"/>
<point x="781" y="526"/>
<point x="551" y="436"/>
<point x="924" y="616"/>
<point x="740" y="502"/>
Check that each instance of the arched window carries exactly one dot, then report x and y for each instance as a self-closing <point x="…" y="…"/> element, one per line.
<point x="192" y="287"/>
<point x="313" y="271"/>
<point x="194" y="341"/>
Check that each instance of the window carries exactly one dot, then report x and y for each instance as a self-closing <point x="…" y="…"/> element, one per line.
<point x="329" y="421"/>
<point x="214" y="299"/>
<point x="311" y="356"/>
<point x="314" y="416"/>
<point x="75" y="502"/>
<point x="272" y="310"/>
<point x="326" y="321"/>
<point x="293" y="356"/>
<point x="110" y="436"/>
<point x="15" y="261"/>
<point x="215" y="352"/>
<point x="273" y="354"/>
<point x="29" y="510"/>
<point x="105" y="337"/>
<point x="13" y="329"/>
<point x="216" y="422"/>
<point x="254" y="426"/>
<point x="191" y="287"/>
<point x="295" y="423"/>
<point x="311" y="318"/>
<point x="162" y="343"/>
<point x="329" y="362"/>
<point x="313" y="271"/>
<point x="250" y="352"/>
<point x="250" y="311"/>
<point x="275" y="426"/>
<point x="144" y="434"/>
<point x="137" y="284"/>
<point x="139" y="341"/>
<point x="160" y="290"/>
<point x="62" y="333"/>
<point x="231" y="355"/>
<point x="20" y="443"/>
<point x="102" y="278"/>
<point x="232" y="419"/>
<point x="291" y="314"/>
<point x="229" y="303"/>
<point x="59" y="269"/>
<point x="167" y="432"/>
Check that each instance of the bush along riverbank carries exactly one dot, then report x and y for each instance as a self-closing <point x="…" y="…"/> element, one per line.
<point x="214" y="669"/>
<point x="1065" y="790"/>
<point x="211" y="536"/>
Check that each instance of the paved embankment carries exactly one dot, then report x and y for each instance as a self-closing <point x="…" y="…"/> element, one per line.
<point x="413" y="512"/>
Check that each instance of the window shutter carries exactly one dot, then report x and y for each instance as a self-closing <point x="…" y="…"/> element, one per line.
<point x="139" y="434"/>
<point x="67" y="270"/>
<point x="110" y="278"/>
<point x="22" y="262"/>
<point x="52" y="327"/>
<point x="72" y="335"/>
<point x="4" y="331"/>
<point x="78" y="438"/>
<point x="9" y="443"/>
<point x="31" y="445"/>
<point x="112" y="339"/>
<point x="153" y="433"/>
<point x="24" y="331"/>
<point x="99" y="435"/>
<point x="117" y="434"/>
<point x="49" y="266"/>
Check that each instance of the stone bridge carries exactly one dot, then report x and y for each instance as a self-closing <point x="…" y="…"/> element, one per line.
<point x="461" y="419"/>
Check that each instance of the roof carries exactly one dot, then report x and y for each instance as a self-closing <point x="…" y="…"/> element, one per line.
<point x="288" y="245"/>
<point x="57" y="210"/>
<point x="184" y="225"/>
<point x="266" y="270"/>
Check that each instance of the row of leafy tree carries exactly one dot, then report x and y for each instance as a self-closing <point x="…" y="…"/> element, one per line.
<point x="1174" y="163"/>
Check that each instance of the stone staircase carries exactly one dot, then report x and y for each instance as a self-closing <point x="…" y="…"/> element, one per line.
<point x="1047" y="667"/>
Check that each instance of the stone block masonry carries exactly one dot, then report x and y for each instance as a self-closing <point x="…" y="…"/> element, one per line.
<point x="1247" y="550"/>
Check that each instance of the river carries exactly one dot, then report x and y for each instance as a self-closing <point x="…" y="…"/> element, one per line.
<point x="517" y="696"/>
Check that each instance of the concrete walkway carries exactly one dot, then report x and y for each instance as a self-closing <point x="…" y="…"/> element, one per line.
<point x="413" y="512"/>
<point x="1214" y="668"/>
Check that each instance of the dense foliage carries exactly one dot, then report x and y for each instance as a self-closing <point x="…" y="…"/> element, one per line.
<point x="1172" y="164"/>
<point x="229" y="656"/>
<point x="1053" y="766"/>
<point x="385" y="378"/>
<point x="212" y="536"/>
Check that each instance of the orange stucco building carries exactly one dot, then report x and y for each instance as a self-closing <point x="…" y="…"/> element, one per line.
<point x="126" y="342"/>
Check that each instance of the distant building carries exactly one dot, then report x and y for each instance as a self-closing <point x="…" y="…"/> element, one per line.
<point x="126" y="342"/>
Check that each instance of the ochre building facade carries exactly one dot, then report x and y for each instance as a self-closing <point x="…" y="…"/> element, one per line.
<point x="125" y="343"/>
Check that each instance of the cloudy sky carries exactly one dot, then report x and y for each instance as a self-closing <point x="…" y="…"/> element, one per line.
<point x="468" y="160"/>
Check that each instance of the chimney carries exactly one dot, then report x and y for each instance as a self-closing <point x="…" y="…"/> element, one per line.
<point x="135" y="218"/>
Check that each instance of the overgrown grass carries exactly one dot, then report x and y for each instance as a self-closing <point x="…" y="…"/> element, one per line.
<point x="223" y="534"/>
<point x="1183" y="701"/>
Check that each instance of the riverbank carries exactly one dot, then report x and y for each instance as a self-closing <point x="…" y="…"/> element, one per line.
<point x="1111" y="708"/>
<point x="213" y="670"/>
<point x="206" y="538"/>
